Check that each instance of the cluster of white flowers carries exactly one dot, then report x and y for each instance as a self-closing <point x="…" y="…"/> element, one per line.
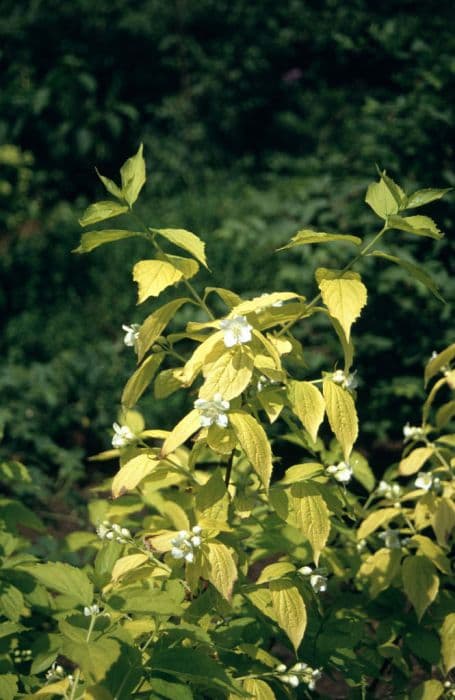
<point x="123" y="436"/>
<point x="90" y="610"/>
<point x="348" y="382"/>
<point x="449" y="689"/>
<point x="341" y="472"/>
<point x="391" y="538"/>
<point x="318" y="578"/>
<point x="299" y="673"/>
<point x="361" y="546"/>
<point x="412" y="432"/>
<point x="112" y="531"/>
<point x="55" y="672"/>
<point x="427" y="482"/>
<point x="185" y="543"/>
<point x="237" y="331"/>
<point x="389" y="491"/>
<point x="213" y="412"/>
<point x="131" y="335"/>
<point x="22" y="655"/>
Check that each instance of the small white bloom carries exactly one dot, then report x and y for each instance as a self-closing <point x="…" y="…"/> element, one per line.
<point x="102" y="531"/>
<point x="123" y="436"/>
<point x="189" y="557"/>
<point x="131" y="335"/>
<point x="213" y="412"/>
<point x="197" y="529"/>
<point x="293" y="681"/>
<point x="424" y="481"/>
<point x="318" y="583"/>
<point x="412" y="432"/>
<point x="91" y="610"/>
<point x="361" y="545"/>
<point x="87" y="612"/>
<point x="196" y="541"/>
<point x="341" y="472"/>
<point x="305" y="570"/>
<point x="348" y="382"/>
<point x="125" y="532"/>
<point x="109" y="535"/>
<point x="177" y="553"/>
<point x="237" y="331"/>
<point x="281" y="668"/>
<point x="391" y="538"/>
<point x="299" y="667"/>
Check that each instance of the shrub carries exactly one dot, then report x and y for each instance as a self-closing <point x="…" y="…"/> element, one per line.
<point x="220" y="569"/>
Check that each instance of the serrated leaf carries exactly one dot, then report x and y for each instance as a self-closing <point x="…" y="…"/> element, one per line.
<point x="187" y="267"/>
<point x="219" y="568"/>
<point x="229" y="375"/>
<point x="303" y="507"/>
<point x="344" y="294"/>
<point x="418" y="225"/>
<point x="307" y="236"/>
<point x="254" y="442"/>
<point x="100" y="211"/>
<point x="272" y="401"/>
<point x="380" y="198"/>
<point x="380" y="569"/>
<point x="375" y="520"/>
<point x="208" y="351"/>
<point x="289" y="610"/>
<point x="51" y="689"/>
<point x="132" y="473"/>
<point x="93" y="239"/>
<point x="153" y="276"/>
<point x="308" y="404"/>
<point x="212" y="501"/>
<point x="420" y="582"/>
<point x="342" y="415"/>
<point x="186" y="240"/>
<point x="127" y="563"/>
<point x="11" y="601"/>
<point x="133" y="177"/>
<point x="447" y="634"/>
<point x="139" y="381"/>
<point x="362" y="471"/>
<point x="441" y="360"/>
<point x="275" y="571"/>
<point x="94" y="658"/>
<point x="415" y="460"/>
<point x="63" y="578"/>
<point x="259" y="690"/>
<point x="154" y="325"/>
<point x="421" y="197"/>
<point x="415" y="271"/>
<point x="182" y="431"/>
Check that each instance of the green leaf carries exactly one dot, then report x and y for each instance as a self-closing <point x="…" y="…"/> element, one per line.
<point x="415" y="460"/>
<point x="145" y="600"/>
<point x="219" y="568"/>
<point x="443" y="520"/>
<point x="447" y="634"/>
<point x="418" y="225"/>
<point x="432" y="551"/>
<point x="279" y="570"/>
<point x="212" y="502"/>
<point x="259" y="690"/>
<point x="171" y="691"/>
<point x="342" y="415"/>
<point x="344" y="294"/>
<point x="303" y="507"/>
<point x="362" y="471"/>
<point x="187" y="267"/>
<point x="14" y="471"/>
<point x="186" y="240"/>
<point x="155" y="324"/>
<point x="308" y="404"/>
<point x="63" y="578"/>
<point x="229" y="375"/>
<point x="132" y="173"/>
<point x="8" y="686"/>
<point x="421" y="197"/>
<point x="375" y="520"/>
<point x="381" y="199"/>
<point x="289" y="610"/>
<point x="428" y="690"/>
<point x="93" y="239"/>
<point x="437" y="363"/>
<point x="94" y="658"/>
<point x="110" y="185"/>
<point x="414" y="271"/>
<point x="380" y="569"/>
<point x="139" y="381"/>
<point x="420" y="582"/>
<point x="166" y="383"/>
<point x="254" y="442"/>
<point x="11" y="601"/>
<point x="125" y="564"/>
<point x="132" y="473"/>
<point x="307" y="236"/>
<point x="153" y="276"/>
<point x="100" y="211"/>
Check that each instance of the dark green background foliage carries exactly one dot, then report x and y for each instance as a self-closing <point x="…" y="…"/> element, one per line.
<point x="258" y="119"/>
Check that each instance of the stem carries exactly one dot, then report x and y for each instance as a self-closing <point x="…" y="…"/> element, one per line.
<point x="229" y="469"/>
<point x="77" y="675"/>
<point x="347" y="267"/>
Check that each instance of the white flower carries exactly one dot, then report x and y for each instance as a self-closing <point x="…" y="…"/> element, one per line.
<point x="237" y="331"/>
<point x="305" y="570"/>
<point x="346" y="381"/>
<point x="91" y="610"/>
<point x="184" y="544"/>
<point x="318" y="583"/>
<point x="197" y="529"/>
<point x="412" y="432"/>
<point x="123" y="436"/>
<point x="424" y="481"/>
<point x="281" y="668"/>
<point x="196" y="541"/>
<point x="299" y="667"/>
<point x="389" y="491"/>
<point x="341" y="472"/>
<point x="177" y="553"/>
<point x="391" y="538"/>
<point x="292" y="680"/>
<point x="131" y="335"/>
<point x="213" y="411"/>
<point x="102" y="531"/>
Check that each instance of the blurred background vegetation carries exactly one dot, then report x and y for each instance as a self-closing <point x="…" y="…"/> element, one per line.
<point x="258" y="119"/>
